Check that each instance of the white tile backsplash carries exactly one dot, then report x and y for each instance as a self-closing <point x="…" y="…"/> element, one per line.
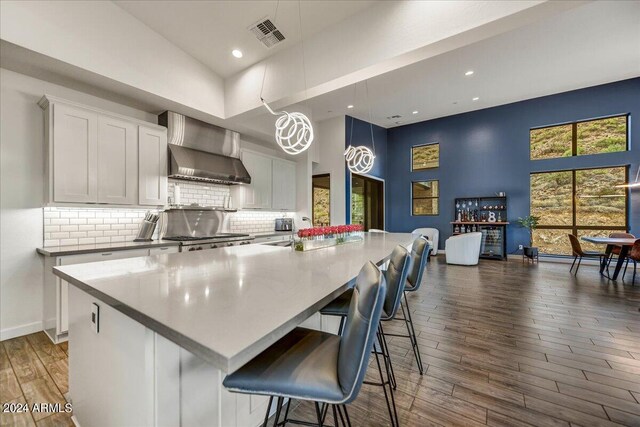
<point x="78" y="226"/>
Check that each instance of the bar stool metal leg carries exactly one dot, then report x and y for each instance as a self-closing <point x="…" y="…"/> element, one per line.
<point x="388" y="395"/>
<point x="387" y="358"/>
<point x="266" y="416"/>
<point x="412" y="333"/>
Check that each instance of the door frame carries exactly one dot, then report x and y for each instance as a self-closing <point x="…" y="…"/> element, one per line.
<point x="384" y="196"/>
<point x="313" y="201"/>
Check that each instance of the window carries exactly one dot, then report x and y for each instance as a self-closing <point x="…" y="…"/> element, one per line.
<point x="425" y="198"/>
<point x="582" y="202"/>
<point x="580" y="138"/>
<point x="321" y="199"/>
<point x="425" y="157"/>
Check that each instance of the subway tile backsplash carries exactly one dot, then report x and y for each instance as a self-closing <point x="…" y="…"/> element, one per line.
<point x="80" y="226"/>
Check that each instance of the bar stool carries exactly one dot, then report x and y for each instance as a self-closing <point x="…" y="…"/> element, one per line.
<point x="420" y="251"/>
<point x="317" y="366"/>
<point x="396" y="278"/>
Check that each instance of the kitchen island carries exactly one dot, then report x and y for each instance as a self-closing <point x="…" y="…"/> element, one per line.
<point x="170" y="327"/>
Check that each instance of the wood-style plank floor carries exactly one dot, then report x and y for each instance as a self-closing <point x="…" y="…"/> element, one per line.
<point x="503" y="343"/>
<point x="511" y="344"/>
<point x="34" y="371"/>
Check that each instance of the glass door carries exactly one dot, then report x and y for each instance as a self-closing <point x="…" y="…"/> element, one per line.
<point x="492" y="245"/>
<point x="321" y="202"/>
<point x="367" y="202"/>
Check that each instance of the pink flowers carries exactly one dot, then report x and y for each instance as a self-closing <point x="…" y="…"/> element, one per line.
<point x="329" y="231"/>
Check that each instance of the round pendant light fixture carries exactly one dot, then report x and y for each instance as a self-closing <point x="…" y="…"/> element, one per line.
<point x="294" y="132"/>
<point x="360" y="159"/>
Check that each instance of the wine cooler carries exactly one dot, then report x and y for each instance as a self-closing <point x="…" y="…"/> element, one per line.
<point x="487" y="215"/>
<point x="493" y="242"/>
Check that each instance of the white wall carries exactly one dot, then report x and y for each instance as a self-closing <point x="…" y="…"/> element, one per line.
<point x="102" y="38"/>
<point x="21" y="195"/>
<point x="330" y="159"/>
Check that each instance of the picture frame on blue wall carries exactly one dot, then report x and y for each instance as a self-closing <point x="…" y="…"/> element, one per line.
<point x="425" y="156"/>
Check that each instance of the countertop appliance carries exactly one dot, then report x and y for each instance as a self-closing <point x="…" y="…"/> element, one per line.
<point x="284" y="224"/>
<point x="198" y="228"/>
<point x="199" y="151"/>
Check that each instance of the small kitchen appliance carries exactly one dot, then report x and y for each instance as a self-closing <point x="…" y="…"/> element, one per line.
<point x="284" y="224"/>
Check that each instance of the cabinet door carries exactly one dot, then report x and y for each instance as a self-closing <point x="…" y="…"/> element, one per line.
<point x="117" y="161"/>
<point x="284" y="185"/>
<point x="152" y="166"/>
<point x="63" y="286"/>
<point x="75" y="155"/>
<point x="257" y="195"/>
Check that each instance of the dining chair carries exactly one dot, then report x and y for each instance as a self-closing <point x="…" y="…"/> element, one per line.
<point x="616" y="249"/>
<point x="578" y="253"/>
<point x="634" y="255"/>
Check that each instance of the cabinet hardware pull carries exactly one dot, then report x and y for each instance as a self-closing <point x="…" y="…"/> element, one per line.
<point x="107" y="253"/>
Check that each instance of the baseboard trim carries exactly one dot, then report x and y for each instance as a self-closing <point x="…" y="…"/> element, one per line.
<point x="18" y="331"/>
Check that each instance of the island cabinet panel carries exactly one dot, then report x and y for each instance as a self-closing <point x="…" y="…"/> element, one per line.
<point x="56" y="290"/>
<point x="118" y="161"/>
<point x="75" y="155"/>
<point x="112" y="379"/>
<point x="152" y="166"/>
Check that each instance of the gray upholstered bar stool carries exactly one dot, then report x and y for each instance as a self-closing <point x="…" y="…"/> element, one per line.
<point x="317" y="366"/>
<point x="420" y="251"/>
<point x="396" y="277"/>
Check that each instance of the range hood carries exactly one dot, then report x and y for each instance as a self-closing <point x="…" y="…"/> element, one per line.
<point x="199" y="151"/>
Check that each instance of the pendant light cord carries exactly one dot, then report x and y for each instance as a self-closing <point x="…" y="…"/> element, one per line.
<point x="304" y="68"/>
<point x="373" y="142"/>
<point x="266" y="61"/>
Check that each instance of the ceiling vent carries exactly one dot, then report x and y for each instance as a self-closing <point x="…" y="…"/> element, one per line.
<point x="266" y="32"/>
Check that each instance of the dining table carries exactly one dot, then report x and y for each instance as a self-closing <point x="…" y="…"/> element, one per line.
<point x="625" y="245"/>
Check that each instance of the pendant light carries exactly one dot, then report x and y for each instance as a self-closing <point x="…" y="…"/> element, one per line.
<point x="294" y="132"/>
<point x="634" y="184"/>
<point x="360" y="159"/>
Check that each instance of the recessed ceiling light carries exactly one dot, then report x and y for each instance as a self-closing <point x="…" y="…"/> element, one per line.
<point x="349" y="106"/>
<point x="476" y="98"/>
<point x="415" y="112"/>
<point x="237" y="53"/>
<point x="468" y="73"/>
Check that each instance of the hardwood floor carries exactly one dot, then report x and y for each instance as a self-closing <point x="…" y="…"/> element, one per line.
<point x="503" y="344"/>
<point x="33" y="370"/>
<point x="511" y="344"/>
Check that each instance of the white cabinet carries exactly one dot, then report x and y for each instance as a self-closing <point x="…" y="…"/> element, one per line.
<point x="94" y="156"/>
<point x="56" y="290"/>
<point x="117" y="165"/>
<point x="152" y="166"/>
<point x="283" y="185"/>
<point x="273" y="183"/>
<point x="74" y="154"/>
<point x="256" y="195"/>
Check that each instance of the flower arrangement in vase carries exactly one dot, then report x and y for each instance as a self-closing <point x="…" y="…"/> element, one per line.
<point x="322" y="237"/>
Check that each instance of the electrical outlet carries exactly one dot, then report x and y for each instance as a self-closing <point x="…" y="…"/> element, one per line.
<point x="520" y="247"/>
<point x="95" y="317"/>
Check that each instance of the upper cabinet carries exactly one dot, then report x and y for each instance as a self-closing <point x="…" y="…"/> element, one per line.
<point x="283" y="185"/>
<point x="75" y="154"/>
<point x="256" y="195"/>
<point x="273" y="183"/>
<point x="118" y="154"/>
<point x="100" y="157"/>
<point x="152" y="166"/>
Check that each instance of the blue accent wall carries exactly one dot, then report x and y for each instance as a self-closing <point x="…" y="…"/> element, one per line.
<point x="486" y="151"/>
<point x="358" y="132"/>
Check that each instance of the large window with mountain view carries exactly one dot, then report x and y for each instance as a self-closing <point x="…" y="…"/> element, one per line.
<point x="582" y="202"/>
<point x="598" y="136"/>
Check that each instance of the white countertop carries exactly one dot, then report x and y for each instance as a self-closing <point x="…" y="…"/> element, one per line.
<point x="227" y="305"/>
